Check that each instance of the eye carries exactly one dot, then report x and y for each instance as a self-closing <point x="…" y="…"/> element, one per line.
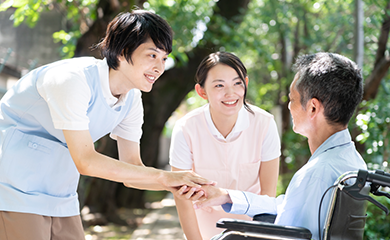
<point x="153" y="55"/>
<point x="238" y="83"/>
<point x="218" y="85"/>
<point x="165" y="59"/>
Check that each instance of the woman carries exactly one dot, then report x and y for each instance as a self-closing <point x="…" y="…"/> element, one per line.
<point x="227" y="140"/>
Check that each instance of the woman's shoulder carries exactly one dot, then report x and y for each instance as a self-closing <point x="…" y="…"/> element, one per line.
<point x="259" y="112"/>
<point x="190" y="123"/>
<point x="193" y="114"/>
<point x="191" y="117"/>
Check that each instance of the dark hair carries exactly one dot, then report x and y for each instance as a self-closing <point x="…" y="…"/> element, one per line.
<point x="127" y="31"/>
<point x="334" y="80"/>
<point x="226" y="58"/>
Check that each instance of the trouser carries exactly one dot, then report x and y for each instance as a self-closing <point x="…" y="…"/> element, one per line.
<point x="26" y="226"/>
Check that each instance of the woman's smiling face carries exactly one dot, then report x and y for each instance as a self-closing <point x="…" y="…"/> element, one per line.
<point x="224" y="90"/>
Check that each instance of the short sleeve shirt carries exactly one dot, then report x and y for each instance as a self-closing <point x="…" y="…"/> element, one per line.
<point x="67" y="94"/>
<point x="181" y="156"/>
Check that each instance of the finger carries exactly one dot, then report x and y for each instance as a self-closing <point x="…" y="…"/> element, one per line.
<point x="204" y="181"/>
<point x="190" y="193"/>
<point x="201" y="180"/>
<point x="192" y="184"/>
<point x="182" y="190"/>
<point x="197" y="205"/>
<point x="197" y="196"/>
<point x="177" y="190"/>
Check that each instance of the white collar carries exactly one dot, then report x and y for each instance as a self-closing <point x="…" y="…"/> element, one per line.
<point x="242" y="123"/>
<point x="104" y="82"/>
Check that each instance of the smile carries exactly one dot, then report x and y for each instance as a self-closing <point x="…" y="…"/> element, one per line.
<point x="150" y="78"/>
<point x="231" y="102"/>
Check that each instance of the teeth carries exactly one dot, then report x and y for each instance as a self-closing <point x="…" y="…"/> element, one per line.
<point x="151" y="77"/>
<point x="230" y="103"/>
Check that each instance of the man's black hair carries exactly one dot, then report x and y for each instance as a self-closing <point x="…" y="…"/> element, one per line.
<point x="334" y="80"/>
<point x="128" y="31"/>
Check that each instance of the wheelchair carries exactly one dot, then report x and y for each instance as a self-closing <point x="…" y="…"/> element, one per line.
<point x="345" y="218"/>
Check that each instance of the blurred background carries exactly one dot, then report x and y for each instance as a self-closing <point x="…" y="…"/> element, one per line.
<point x="266" y="34"/>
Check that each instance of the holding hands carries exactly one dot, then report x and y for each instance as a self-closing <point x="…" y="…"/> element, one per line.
<point x="175" y="181"/>
<point x="214" y="196"/>
<point x="207" y="196"/>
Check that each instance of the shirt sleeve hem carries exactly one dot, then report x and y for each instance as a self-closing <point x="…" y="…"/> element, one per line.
<point x="240" y="202"/>
<point x="71" y="126"/>
<point x="130" y="138"/>
<point x="175" y="165"/>
<point x="270" y="157"/>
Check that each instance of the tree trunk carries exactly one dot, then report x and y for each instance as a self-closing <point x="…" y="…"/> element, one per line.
<point x="382" y="62"/>
<point x="359" y="33"/>
<point x="172" y="87"/>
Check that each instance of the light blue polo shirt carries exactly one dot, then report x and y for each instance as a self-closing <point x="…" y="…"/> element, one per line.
<point x="37" y="173"/>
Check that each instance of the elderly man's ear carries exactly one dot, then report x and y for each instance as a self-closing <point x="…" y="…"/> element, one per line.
<point x="315" y="107"/>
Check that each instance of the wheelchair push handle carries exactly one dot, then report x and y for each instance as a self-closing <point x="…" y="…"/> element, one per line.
<point x="377" y="179"/>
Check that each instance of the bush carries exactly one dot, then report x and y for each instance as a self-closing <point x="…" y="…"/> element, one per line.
<point x="377" y="224"/>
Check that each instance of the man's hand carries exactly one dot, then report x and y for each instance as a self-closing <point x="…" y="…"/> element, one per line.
<point x="214" y="196"/>
<point x="178" y="179"/>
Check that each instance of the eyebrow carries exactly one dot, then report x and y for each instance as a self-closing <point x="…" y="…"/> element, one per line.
<point x="222" y="80"/>
<point x="158" y="50"/>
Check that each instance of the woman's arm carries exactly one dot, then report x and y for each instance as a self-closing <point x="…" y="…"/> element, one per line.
<point x="188" y="220"/>
<point x="268" y="176"/>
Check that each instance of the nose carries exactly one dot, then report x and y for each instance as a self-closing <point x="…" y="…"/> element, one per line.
<point x="229" y="90"/>
<point x="159" y="68"/>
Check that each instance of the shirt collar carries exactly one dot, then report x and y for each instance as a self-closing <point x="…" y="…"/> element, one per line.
<point x="242" y="122"/>
<point x="339" y="138"/>
<point x="104" y="81"/>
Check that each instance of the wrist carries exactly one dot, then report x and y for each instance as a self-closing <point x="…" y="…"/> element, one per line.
<point x="226" y="195"/>
<point x="161" y="178"/>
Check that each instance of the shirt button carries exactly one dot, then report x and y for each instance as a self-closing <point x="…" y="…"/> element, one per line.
<point x="35" y="145"/>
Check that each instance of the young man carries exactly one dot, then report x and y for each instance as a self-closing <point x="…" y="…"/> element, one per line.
<point x="323" y="96"/>
<point x="51" y="118"/>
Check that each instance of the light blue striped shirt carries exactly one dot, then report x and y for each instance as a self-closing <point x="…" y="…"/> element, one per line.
<point x="299" y="206"/>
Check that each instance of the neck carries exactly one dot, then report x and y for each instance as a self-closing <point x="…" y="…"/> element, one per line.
<point x="321" y="134"/>
<point x="117" y="86"/>
<point x="224" y="124"/>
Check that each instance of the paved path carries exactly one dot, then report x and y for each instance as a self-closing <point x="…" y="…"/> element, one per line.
<point x="162" y="223"/>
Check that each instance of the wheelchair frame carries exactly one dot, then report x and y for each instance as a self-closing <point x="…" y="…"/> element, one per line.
<point x="355" y="195"/>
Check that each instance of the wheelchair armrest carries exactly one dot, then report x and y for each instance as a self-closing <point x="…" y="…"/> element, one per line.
<point x="264" y="228"/>
<point x="265" y="217"/>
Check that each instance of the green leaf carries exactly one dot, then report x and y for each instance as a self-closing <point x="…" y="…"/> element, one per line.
<point x="19" y="3"/>
<point x="5" y="5"/>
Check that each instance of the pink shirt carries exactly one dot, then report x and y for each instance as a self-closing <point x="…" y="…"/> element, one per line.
<point x="233" y="165"/>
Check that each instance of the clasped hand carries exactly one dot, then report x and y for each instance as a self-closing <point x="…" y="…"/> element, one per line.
<point x="206" y="196"/>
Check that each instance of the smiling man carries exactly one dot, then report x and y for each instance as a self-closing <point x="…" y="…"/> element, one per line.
<point x="51" y="118"/>
<point x="324" y="94"/>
